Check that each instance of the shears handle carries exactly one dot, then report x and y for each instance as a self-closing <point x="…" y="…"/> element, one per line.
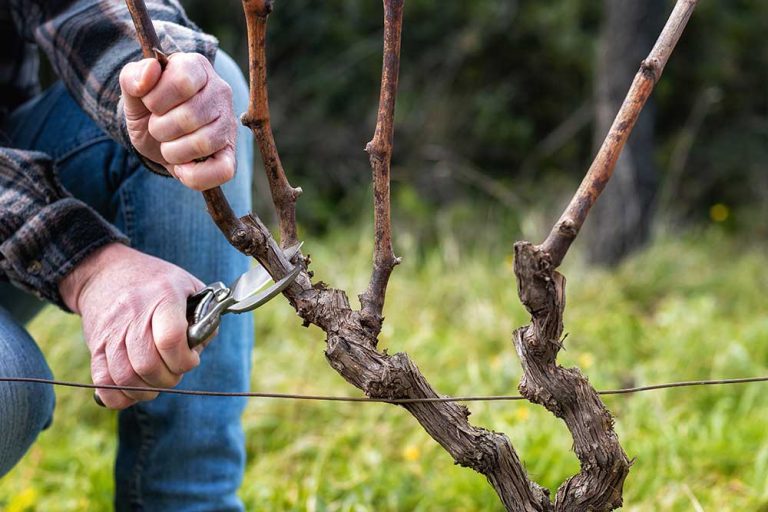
<point x="204" y="310"/>
<point x="202" y="316"/>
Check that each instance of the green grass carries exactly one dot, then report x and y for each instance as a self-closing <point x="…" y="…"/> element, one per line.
<point x="689" y="308"/>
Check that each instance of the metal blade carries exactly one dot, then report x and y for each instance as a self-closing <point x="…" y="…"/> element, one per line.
<point x="255" y="279"/>
<point x="250" y="283"/>
<point x="262" y="298"/>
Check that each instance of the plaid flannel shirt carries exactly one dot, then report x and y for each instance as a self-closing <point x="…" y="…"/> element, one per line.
<point x="44" y="231"/>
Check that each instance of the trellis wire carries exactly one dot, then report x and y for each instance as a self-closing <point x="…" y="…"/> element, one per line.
<point x="330" y="398"/>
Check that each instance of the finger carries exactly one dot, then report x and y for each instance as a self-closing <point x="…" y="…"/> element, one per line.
<point x="147" y="363"/>
<point x="195" y="284"/>
<point x="184" y="119"/>
<point x="136" y="80"/>
<point x="111" y="398"/>
<point x="169" y="330"/>
<point x="214" y="171"/>
<point x="201" y="144"/>
<point x="185" y="75"/>
<point x="123" y="374"/>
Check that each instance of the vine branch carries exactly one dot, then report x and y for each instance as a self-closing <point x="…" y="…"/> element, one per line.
<point x="257" y="118"/>
<point x="568" y="226"/>
<point x="565" y="392"/>
<point x="351" y="336"/>
<point x="379" y="150"/>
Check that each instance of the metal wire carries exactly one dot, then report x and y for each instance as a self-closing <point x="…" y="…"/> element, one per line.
<point x="327" y="398"/>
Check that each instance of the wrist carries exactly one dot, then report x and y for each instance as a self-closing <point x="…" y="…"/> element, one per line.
<point x="72" y="286"/>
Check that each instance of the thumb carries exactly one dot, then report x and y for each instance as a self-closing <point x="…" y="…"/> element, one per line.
<point x="136" y="80"/>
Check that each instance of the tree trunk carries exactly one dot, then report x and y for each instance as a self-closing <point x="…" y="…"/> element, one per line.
<point x="621" y="219"/>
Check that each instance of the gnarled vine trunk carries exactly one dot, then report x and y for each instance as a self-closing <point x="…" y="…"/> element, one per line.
<point x="352" y="334"/>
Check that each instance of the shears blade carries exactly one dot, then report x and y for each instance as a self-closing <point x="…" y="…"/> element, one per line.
<point x="204" y="308"/>
<point x="248" y="284"/>
<point x="261" y="298"/>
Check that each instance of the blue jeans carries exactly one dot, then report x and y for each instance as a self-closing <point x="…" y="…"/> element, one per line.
<point x="175" y="452"/>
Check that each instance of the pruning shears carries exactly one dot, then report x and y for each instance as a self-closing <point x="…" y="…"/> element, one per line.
<point x="204" y="308"/>
<point x="246" y="293"/>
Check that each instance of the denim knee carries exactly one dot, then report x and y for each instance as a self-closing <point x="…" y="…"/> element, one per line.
<point x="25" y="408"/>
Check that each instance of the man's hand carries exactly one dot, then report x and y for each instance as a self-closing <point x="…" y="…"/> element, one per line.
<point x="134" y="320"/>
<point x="180" y="115"/>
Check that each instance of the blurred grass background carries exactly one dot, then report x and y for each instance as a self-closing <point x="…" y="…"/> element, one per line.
<point x="485" y="87"/>
<point x="689" y="307"/>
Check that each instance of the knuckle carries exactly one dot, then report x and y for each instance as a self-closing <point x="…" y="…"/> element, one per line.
<point x="166" y="342"/>
<point x="200" y="60"/>
<point x="186" y="120"/>
<point x="124" y="376"/>
<point x="201" y="146"/>
<point x="156" y="127"/>
<point x="189" y="75"/>
<point x="170" y="338"/>
<point x="180" y="59"/>
<point x="169" y="152"/>
<point x="184" y="85"/>
<point x="146" y="368"/>
<point x="222" y="138"/>
<point x="127" y="305"/>
<point x="226" y="90"/>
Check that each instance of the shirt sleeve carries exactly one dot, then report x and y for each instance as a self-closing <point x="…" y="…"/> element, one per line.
<point x="89" y="41"/>
<point x="44" y="231"/>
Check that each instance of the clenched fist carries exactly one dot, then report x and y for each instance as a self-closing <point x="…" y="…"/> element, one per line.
<point x="179" y="115"/>
<point x="134" y="320"/>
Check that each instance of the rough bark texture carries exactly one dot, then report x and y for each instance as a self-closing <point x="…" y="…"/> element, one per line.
<point x="621" y="220"/>
<point x="565" y="392"/>
<point x="351" y="335"/>
<point x="351" y="350"/>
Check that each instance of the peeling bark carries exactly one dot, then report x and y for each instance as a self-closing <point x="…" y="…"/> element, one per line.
<point x="351" y="335"/>
<point x="565" y="392"/>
